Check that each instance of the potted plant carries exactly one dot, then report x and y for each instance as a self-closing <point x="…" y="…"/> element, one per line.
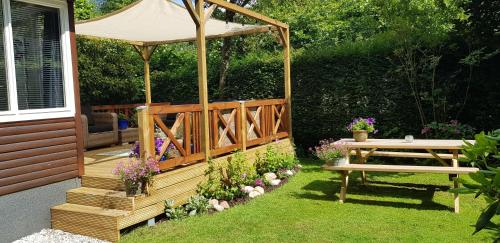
<point x="360" y="127"/>
<point x="122" y="121"/>
<point x="331" y="152"/>
<point x="137" y="173"/>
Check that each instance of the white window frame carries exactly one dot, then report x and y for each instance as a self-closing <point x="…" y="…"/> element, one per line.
<point x="14" y="114"/>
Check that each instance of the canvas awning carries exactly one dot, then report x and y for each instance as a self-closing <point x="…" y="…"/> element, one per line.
<point x="148" y="23"/>
<point x="154" y="22"/>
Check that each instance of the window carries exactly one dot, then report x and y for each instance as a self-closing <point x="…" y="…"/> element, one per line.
<point x="36" y="77"/>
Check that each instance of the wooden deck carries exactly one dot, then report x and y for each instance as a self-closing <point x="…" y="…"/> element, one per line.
<point x="100" y="207"/>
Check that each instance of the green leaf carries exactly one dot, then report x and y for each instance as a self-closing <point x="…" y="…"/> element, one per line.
<point x="486" y="216"/>
<point x="480" y="178"/>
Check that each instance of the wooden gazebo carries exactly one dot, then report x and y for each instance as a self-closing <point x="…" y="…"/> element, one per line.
<point x="191" y="22"/>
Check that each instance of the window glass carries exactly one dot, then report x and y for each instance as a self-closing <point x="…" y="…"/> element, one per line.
<point x="4" y="97"/>
<point x="37" y="50"/>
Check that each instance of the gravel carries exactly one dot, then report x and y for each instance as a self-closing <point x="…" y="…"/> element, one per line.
<point x="57" y="236"/>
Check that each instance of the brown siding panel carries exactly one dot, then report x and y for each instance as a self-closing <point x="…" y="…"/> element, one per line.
<point x="36" y="153"/>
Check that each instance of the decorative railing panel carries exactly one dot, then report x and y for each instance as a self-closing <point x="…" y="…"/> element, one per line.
<point x="232" y="126"/>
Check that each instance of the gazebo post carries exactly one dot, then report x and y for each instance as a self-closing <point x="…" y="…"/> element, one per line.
<point x="288" y="81"/>
<point x="198" y="15"/>
<point x="284" y="34"/>
<point x="146" y="52"/>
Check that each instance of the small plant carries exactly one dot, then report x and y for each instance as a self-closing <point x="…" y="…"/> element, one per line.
<point x="484" y="154"/>
<point x="225" y="179"/>
<point x="362" y="124"/>
<point x="272" y="161"/>
<point x="329" y="150"/>
<point x="172" y="213"/>
<point x="122" y="116"/>
<point x="136" y="172"/>
<point x="451" y="130"/>
<point x="169" y="153"/>
<point x="197" y="204"/>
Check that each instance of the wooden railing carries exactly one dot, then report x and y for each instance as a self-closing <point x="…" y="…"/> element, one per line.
<point x="232" y="126"/>
<point x="126" y="109"/>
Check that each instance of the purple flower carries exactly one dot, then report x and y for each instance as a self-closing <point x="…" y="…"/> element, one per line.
<point x="259" y="182"/>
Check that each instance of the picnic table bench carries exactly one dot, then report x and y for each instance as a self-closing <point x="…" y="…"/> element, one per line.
<point x="355" y="148"/>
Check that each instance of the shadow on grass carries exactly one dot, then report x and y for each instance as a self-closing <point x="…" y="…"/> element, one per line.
<point x="327" y="190"/>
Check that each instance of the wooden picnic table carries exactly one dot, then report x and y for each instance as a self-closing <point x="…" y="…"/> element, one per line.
<point x="363" y="150"/>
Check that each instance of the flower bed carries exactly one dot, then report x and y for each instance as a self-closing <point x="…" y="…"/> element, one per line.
<point x="236" y="181"/>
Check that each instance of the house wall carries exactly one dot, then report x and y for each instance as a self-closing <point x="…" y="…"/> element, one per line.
<point x="37" y="153"/>
<point x="39" y="161"/>
<point x="26" y="212"/>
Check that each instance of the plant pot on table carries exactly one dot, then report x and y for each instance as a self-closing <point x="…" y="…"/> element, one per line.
<point x="337" y="162"/>
<point x="360" y="135"/>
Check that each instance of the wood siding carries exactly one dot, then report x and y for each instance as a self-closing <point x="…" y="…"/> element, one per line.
<point x="37" y="153"/>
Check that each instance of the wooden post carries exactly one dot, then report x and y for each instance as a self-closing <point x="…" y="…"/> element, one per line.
<point x="202" y="77"/>
<point x="147" y="82"/>
<point x="146" y="132"/>
<point x="455" y="182"/>
<point x="343" y="186"/>
<point x="243" y="126"/>
<point x="146" y="52"/>
<point x="288" y="81"/>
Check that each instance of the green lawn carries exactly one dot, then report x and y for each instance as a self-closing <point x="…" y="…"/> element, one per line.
<point x="392" y="207"/>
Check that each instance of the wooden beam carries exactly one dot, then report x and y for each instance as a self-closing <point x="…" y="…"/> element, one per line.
<point x="237" y="9"/>
<point x="189" y="6"/>
<point x="210" y="11"/>
<point x="282" y="36"/>
<point x="202" y="78"/>
<point x="437" y="157"/>
<point x="288" y="81"/>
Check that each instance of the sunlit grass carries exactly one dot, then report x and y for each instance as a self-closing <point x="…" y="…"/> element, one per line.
<point x="391" y="208"/>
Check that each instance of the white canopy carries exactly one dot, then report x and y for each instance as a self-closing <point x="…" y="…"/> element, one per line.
<point x="153" y="22"/>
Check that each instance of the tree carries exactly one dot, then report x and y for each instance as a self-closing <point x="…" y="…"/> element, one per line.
<point x="227" y="44"/>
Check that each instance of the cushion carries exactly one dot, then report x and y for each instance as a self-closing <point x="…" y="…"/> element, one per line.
<point x="87" y="110"/>
<point x="100" y="128"/>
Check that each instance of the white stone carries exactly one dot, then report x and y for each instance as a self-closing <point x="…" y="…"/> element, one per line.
<point x="275" y="182"/>
<point x="254" y="194"/>
<point x="270" y="176"/>
<point x="50" y="235"/>
<point x="299" y="165"/>
<point x="248" y="189"/>
<point x="219" y="208"/>
<point x="289" y="172"/>
<point x="259" y="189"/>
<point x="224" y="204"/>
<point x="213" y="202"/>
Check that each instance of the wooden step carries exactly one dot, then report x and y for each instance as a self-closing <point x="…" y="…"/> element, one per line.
<point x="108" y="183"/>
<point x="102" y="198"/>
<point x="87" y="220"/>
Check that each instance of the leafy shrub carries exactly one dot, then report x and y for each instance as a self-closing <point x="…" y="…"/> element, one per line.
<point x="451" y="130"/>
<point x="172" y="213"/>
<point x="197" y="204"/>
<point x="272" y="161"/>
<point x="484" y="154"/>
<point x="225" y="179"/>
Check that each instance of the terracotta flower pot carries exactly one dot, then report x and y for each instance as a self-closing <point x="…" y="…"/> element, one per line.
<point x="360" y="136"/>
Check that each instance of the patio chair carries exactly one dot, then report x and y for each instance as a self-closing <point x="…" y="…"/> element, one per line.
<point x="99" y="128"/>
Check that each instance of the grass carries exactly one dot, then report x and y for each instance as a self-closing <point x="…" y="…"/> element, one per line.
<point x="391" y="208"/>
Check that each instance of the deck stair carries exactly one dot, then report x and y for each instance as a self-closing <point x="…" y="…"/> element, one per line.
<point x="101" y="209"/>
